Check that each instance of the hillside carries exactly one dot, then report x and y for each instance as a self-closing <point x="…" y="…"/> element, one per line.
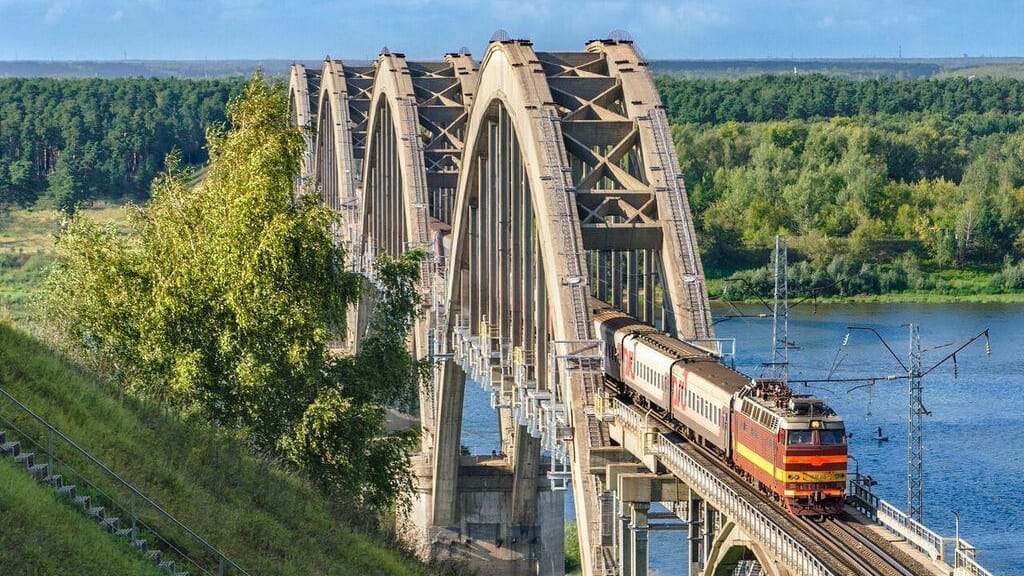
<point x="44" y="536"/>
<point x="267" y="520"/>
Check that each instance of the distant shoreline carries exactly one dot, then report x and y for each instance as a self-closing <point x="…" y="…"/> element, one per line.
<point x="891" y="67"/>
<point x="901" y="298"/>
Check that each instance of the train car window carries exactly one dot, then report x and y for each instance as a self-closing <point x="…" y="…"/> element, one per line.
<point x="832" y="437"/>
<point x="799" y="438"/>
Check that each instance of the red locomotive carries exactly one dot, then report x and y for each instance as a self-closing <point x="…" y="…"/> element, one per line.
<point x="789" y="445"/>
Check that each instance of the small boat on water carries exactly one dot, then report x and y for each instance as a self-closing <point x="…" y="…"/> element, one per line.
<point x="880" y="437"/>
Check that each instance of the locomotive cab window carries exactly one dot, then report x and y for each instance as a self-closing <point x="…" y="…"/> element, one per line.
<point x="799" y="438"/>
<point x="832" y="437"/>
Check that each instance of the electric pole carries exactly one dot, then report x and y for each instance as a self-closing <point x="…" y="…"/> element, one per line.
<point x="778" y="365"/>
<point x="915" y="429"/>
<point x="914" y="375"/>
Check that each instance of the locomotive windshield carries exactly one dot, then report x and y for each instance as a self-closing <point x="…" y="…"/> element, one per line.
<point x="800" y="438"/>
<point x="806" y="437"/>
<point x="832" y="437"/>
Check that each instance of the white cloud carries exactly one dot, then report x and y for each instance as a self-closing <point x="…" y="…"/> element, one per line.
<point x="55" y="12"/>
<point x="117" y="16"/>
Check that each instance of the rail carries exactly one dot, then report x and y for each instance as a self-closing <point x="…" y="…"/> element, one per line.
<point x="955" y="552"/>
<point x="223" y="563"/>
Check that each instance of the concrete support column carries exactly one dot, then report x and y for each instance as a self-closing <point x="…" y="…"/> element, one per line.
<point x="525" y="467"/>
<point x="632" y="282"/>
<point x="603" y="265"/>
<point x="624" y="540"/>
<point x="693" y="521"/>
<point x="648" y="315"/>
<point x="638" y="538"/>
<point x="447" y="445"/>
<point x="708" y="517"/>
<point x="618" y="279"/>
<point x="607" y="502"/>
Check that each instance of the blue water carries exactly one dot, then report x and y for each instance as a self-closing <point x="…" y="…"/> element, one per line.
<point x="974" y="439"/>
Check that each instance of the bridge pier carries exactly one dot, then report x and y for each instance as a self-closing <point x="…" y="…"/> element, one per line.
<point x="485" y="533"/>
<point x="638" y="535"/>
<point x="634" y="493"/>
<point x="694" y="508"/>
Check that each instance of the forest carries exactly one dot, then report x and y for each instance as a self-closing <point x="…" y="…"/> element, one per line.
<point x="78" y="140"/>
<point x="879" y="183"/>
<point x="883" y="185"/>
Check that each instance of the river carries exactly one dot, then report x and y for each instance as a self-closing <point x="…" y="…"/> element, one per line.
<point x="974" y="439"/>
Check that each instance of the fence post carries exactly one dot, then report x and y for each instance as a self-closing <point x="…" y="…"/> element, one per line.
<point x="135" y="531"/>
<point x="49" y="451"/>
<point x="220" y="569"/>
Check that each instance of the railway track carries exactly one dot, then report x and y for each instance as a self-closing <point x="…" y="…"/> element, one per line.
<point x="839" y="546"/>
<point x="855" y="548"/>
<point x="887" y="563"/>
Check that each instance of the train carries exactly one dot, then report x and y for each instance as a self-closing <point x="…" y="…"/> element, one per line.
<point x="790" y="446"/>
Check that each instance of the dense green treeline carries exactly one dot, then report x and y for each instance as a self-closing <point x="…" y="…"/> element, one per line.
<point x="877" y="182"/>
<point x="816" y="96"/>
<point x="85" y="139"/>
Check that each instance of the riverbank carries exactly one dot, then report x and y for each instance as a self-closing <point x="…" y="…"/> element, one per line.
<point x="950" y="287"/>
<point x="897" y="298"/>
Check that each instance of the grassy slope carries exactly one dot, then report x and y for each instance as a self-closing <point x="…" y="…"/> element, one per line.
<point x="267" y="520"/>
<point x="41" y="535"/>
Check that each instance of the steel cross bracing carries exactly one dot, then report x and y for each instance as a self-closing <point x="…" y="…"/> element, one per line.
<point x="532" y="182"/>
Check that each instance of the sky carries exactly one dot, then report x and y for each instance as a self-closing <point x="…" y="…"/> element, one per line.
<point x="427" y="29"/>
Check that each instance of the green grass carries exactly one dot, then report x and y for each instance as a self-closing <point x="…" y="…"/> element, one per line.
<point x="1013" y="70"/>
<point x="42" y="535"/>
<point x="269" y="521"/>
<point x="27" y="240"/>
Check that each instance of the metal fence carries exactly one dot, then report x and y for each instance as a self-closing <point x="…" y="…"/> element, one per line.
<point x="955" y="552"/>
<point x="148" y="520"/>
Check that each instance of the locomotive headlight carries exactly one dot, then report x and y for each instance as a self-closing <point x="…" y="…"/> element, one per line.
<point x="815" y="424"/>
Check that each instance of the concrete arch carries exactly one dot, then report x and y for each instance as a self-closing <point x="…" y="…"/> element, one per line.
<point x="733" y="545"/>
<point x="393" y="113"/>
<point x="511" y="81"/>
<point x="682" y="271"/>
<point x="394" y="203"/>
<point x="335" y="168"/>
<point x="303" y="93"/>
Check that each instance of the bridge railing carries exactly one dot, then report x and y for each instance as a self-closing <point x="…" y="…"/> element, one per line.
<point x="143" y="518"/>
<point x="722" y="496"/>
<point x="955" y="552"/>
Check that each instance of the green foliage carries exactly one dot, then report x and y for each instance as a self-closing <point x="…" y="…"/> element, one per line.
<point x="90" y="138"/>
<point x="265" y="517"/>
<point x="17" y="183"/>
<point x="955" y="187"/>
<point x="788" y="97"/>
<point x="46" y="537"/>
<point x="340" y="432"/>
<point x="221" y="300"/>
<point x="572" y="548"/>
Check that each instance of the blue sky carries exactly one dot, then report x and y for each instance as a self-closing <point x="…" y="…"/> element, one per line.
<point x="219" y="29"/>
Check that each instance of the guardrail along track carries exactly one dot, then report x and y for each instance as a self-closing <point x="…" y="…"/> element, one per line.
<point x="829" y="548"/>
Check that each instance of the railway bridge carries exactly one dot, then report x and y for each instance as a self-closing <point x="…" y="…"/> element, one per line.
<point x="535" y="181"/>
